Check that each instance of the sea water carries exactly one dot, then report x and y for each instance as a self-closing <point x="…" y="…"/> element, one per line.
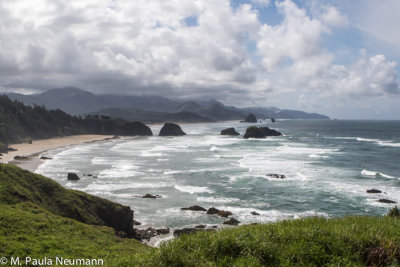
<point x="328" y="165"/>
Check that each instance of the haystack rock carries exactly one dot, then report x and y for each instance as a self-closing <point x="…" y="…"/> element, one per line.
<point x="250" y="118"/>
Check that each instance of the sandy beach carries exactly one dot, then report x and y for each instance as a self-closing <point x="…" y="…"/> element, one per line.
<point x="30" y="152"/>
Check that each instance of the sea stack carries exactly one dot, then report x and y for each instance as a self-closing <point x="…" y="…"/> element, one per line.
<point x="260" y="132"/>
<point x="229" y="131"/>
<point x="250" y="118"/>
<point x="171" y="129"/>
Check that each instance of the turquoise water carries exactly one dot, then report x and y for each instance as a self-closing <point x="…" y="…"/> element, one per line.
<point x="329" y="165"/>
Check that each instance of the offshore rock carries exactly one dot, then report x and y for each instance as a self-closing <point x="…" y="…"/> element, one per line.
<point x="73" y="176"/>
<point x="229" y="131"/>
<point x="260" y="132"/>
<point x="232" y="221"/>
<point x="195" y="208"/>
<point x="250" y="118"/>
<point x="171" y="129"/>
<point x="374" y="191"/>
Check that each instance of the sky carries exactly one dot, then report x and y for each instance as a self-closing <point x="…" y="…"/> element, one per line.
<point x="335" y="57"/>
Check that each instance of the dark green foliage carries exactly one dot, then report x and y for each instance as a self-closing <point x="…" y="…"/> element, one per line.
<point x="17" y="185"/>
<point x="19" y="122"/>
<point x="394" y="212"/>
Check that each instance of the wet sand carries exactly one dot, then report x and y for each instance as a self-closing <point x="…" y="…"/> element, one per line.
<point x="30" y="153"/>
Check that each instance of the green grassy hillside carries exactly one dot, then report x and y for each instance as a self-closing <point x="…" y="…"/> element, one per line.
<point x="18" y="185"/>
<point x="27" y="230"/>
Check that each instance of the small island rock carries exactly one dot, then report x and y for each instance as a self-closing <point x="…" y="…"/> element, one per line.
<point x="73" y="176"/>
<point x="387" y="201"/>
<point x="374" y="191"/>
<point x="229" y="131"/>
<point x="260" y="132"/>
<point x="194" y="208"/>
<point x="223" y="213"/>
<point x="212" y="210"/>
<point x="151" y="196"/>
<point x="275" y="175"/>
<point x="250" y="118"/>
<point x="171" y="129"/>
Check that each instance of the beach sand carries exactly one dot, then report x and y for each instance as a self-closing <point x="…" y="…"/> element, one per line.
<point x="31" y="152"/>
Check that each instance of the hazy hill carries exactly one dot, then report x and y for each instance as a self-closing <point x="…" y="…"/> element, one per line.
<point x="152" y="116"/>
<point x="77" y="102"/>
<point x="273" y="112"/>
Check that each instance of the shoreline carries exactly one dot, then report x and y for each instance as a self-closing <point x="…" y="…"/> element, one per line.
<point x="30" y="152"/>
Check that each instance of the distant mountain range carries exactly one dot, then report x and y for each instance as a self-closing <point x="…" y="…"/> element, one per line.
<point x="76" y="101"/>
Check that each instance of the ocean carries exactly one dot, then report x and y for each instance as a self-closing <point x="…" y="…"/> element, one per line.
<point x="328" y="165"/>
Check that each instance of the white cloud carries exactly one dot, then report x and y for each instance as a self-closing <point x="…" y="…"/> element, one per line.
<point x="146" y="47"/>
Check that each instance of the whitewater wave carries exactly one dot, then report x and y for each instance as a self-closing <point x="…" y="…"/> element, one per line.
<point x="374" y="174"/>
<point x="111" y="187"/>
<point x="193" y="189"/>
<point x="379" y="142"/>
<point x="217" y="199"/>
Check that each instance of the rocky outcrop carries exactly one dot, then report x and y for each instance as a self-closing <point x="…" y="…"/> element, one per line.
<point x="20" y="158"/>
<point x="147" y="234"/>
<point x="232" y="221"/>
<point x="151" y="196"/>
<point x="250" y="118"/>
<point x="171" y="129"/>
<point x="224" y="213"/>
<point x="275" y="175"/>
<point x="254" y="213"/>
<point x="195" y="208"/>
<point x="163" y="231"/>
<point x="212" y="210"/>
<point x="260" y="132"/>
<point x="387" y="201"/>
<point x="229" y="131"/>
<point x="221" y="213"/>
<point x="73" y="176"/>
<point x="374" y="191"/>
<point x="136" y="222"/>
<point x="134" y="128"/>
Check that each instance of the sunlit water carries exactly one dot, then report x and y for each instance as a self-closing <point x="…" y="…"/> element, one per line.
<point x="329" y="165"/>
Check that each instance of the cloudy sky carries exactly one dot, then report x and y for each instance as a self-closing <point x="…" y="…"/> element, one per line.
<point x="337" y="57"/>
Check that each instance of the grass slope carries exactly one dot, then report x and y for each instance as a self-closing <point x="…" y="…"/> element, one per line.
<point x="18" y="185"/>
<point x="354" y="241"/>
<point x="27" y="230"/>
